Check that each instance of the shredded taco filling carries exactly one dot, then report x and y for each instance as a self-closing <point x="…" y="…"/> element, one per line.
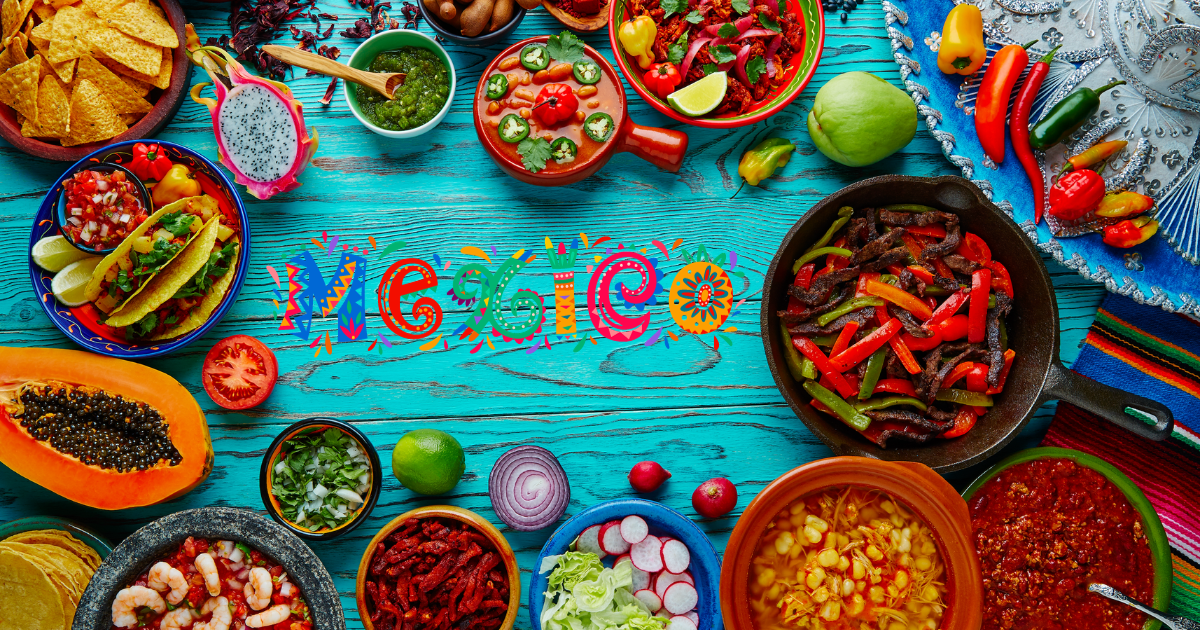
<point x="147" y="256"/>
<point x="179" y="306"/>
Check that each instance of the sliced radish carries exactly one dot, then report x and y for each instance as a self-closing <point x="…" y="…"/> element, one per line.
<point x="634" y="529"/>
<point x="647" y="555"/>
<point x="687" y="577"/>
<point x="680" y="598"/>
<point x="610" y="539"/>
<point x="681" y="622"/>
<point x="664" y="614"/>
<point x="641" y="579"/>
<point x="650" y="599"/>
<point x="664" y="580"/>
<point x="676" y="556"/>
<point x="695" y="617"/>
<point x="589" y="541"/>
<point x="621" y="557"/>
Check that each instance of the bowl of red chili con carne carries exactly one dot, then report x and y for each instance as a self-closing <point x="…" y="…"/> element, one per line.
<point x="1049" y="521"/>
<point x="475" y="572"/>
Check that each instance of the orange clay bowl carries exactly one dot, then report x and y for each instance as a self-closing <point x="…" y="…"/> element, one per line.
<point x="456" y="514"/>
<point x="914" y="485"/>
<point x="165" y="106"/>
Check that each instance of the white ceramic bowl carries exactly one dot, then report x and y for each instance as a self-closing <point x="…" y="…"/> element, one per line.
<point x="391" y="40"/>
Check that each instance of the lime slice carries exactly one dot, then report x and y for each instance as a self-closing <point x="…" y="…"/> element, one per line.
<point x="69" y="284"/>
<point x="55" y="252"/>
<point x="700" y="97"/>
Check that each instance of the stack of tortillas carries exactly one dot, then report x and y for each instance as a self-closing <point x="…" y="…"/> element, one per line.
<point x="42" y="576"/>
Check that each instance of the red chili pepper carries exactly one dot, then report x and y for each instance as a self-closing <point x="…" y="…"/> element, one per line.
<point x="555" y="103"/>
<point x="936" y="230"/>
<point x="1130" y="232"/>
<point x="895" y="386"/>
<point x="1009" y="356"/>
<point x="662" y="78"/>
<point x="1076" y="194"/>
<point x="991" y="104"/>
<point x="898" y="346"/>
<point x="810" y="350"/>
<point x="954" y="328"/>
<point x="981" y="284"/>
<point x="1001" y="281"/>
<point x="843" y="340"/>
<point x="964" y="421"/>
<point x="949" y="307"/>
<point x="974" y="249"/>
<point x="1018" y="129"/>
<point x="861" y="289"/>
<point x="866" y="346"/>
<point x="149" y="162"/>
<point x="1095" y="154"/>
<point x="922" y="344"/>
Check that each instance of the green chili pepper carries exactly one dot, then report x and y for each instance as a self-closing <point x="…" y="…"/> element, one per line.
<point x="888" y="278"/>
<point x="874" y="371"/>
<point x="844" y="411"/>
<point x="497" y="86"/>
<point x="888" y="401"/>
<point x="761" y="161"/>
<point x="586" y="71"/>
<point x="1066" y="116"/>
<point x="792" y="356"/>
<point x="852" y="304"/>
<point x="909" y="207"/>
<point x="245" y="550"/>
<point x="1003" y="335"/>
<point x="821" y="251"/>
<point x="535" y="57"/>
<point x="964" y="397"/>
<point x="809" y="369"/>
<point x="598" y="126"/>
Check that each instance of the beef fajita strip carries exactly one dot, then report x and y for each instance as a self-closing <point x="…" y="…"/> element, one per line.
<point x="891" y="257"/>
<point x="910" y="323"/>
<point x="868" y="216"/>
<point x="819" y="290"/>
<point x="908" y="280"/>
<point x="862" y="316"/>
<point x="876" y="247"/>
<point x="935" y="383"/>
<point x="995" y="352"/>
<point x="917" y="219"/>
<point x="909" y="417"/>
<point x="960" y="264"/>
<point x="791" y="319"/>
<point x="948" y="244"/>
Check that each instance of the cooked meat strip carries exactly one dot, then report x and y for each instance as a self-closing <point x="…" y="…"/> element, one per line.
<point x="905" y="432"/>
<point x="995" y="353"/>
<point x="911" y="325"/>
<point x="893" y="256"/>
<point x="936" y="383"/>
<point x="808" y="328"/>
<point x="818" y="291"/>
<point x="908" y="280"/>
<point x="918" y="219"/>
<point x="790" y="319"/>
<point x="853" y="231"/>
<point x="909" y="417"/>
<point x="948" y="244"/>
<point x="869" y="219"/>
<point x="876" y="247"/>
<point x="961" y="265"/>
<point x="893" y="366"/>
<point x="949" y="284"/>
<point x="939" y="415"/>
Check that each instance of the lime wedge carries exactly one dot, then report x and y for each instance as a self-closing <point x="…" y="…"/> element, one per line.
<point x="69" y="284"/>
<point x="55" y="252"/>
<point x="700" y="97"/>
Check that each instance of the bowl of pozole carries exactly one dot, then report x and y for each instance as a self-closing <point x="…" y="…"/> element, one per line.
<point x="553" y="121"/>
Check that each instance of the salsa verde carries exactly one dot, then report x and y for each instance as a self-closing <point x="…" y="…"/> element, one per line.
<point x="418" y="100"/>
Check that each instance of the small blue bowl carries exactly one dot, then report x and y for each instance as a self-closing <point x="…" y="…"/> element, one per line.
<point x="104" y="167"/>
<point x="45" y="223"/>
<point x="663" y="521"/>
<point x="32" y="523"/>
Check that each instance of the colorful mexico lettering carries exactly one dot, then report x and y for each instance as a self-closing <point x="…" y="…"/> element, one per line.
<point x="699" y="296"/>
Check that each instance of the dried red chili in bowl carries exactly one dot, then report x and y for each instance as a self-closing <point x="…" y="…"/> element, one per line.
<point x="436" y="568"/>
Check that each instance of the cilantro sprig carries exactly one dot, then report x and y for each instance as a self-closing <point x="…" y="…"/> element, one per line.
<point x="336" y="467"/>
<point x="216" y="267"/>
<point x="565" y="47"/>
<point x="727" y="31"/>
<point x="741" y="6"/>
<point x="755" y="69"/>
<point x="722" y="54"/>
<point x="534" y="152"/>
<point x="677" y="51"/>
<point x="670" y="7"/>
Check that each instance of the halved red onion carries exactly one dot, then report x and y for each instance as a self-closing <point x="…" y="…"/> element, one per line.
<point x="528" y="488"/>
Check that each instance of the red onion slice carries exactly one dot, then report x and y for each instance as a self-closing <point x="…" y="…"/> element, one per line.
<point x="528" y="488"/>
<point x="773" y="48"/>
<point x="743" y="55"/>
<point x="691" y="54"/>
<point x="755" y="32"/>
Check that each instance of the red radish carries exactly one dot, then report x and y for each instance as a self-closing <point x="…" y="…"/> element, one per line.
<point x="681" y="622"/>
<point x="610" y="539"/>
<point x="589" y="541"/>
<point x="664" y="580"/>
<point x="650" y="599"/>
<point x="680" y="598"/>
<point x="676" y="556"/>
<point x="664" y="614"/>
<point x="634" y="529"/>
<point x="641" y="579"/>
<point x="647" y="476"/>
<point x="647" y="555"/>
<point x="687" y="577"/>
<point x="714" y="498"/>
<point x="695" y="617"/>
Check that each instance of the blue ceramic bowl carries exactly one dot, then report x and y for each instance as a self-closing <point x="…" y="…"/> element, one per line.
<point x="68" y="320"/>
<point x="60" y="214"/>
<point x="663" y="521"/>
<point x="31" y="523"/>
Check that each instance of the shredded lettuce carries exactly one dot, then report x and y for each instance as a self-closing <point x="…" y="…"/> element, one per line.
<point x="584" y="595"/>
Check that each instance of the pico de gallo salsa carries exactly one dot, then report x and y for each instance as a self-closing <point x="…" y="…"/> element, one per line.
<point x="221" y="583"/>
<point x="102" y="208"/>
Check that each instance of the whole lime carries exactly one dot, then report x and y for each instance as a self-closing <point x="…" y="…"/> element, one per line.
<point x="428" y="461"/>
<point x="859" y="119"/>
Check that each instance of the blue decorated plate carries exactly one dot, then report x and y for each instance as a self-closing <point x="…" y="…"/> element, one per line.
<point x="663" y="521"/>
<point x="31" y="523"/>
<point x="82" y="324"/>
<point x="1157" y="112"/>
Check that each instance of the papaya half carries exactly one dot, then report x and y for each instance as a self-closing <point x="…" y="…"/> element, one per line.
<point x="103" y="432"/>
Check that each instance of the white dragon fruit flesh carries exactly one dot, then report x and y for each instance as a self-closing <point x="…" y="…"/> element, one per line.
<point x="259" y="126"/>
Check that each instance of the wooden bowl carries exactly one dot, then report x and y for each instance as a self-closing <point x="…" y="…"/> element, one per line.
<point x="457" y="514"/>
<point x="164" y="109"/>
<point x="583" y="25"/>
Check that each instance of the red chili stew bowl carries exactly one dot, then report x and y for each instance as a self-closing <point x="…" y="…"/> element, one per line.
<point x="913" y="485"/>
<point x="664" y="148"/>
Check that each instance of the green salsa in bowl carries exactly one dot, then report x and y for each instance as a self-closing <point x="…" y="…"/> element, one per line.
<point x="419" y="104"/>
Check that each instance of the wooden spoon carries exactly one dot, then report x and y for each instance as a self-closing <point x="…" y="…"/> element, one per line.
<point x="384" y="83"/>
<point x="585" y="24"/>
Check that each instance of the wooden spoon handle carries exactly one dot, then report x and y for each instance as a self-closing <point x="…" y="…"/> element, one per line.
<point x="327" y="67"/>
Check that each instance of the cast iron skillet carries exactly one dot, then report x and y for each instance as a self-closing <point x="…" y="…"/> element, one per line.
<point x="1036" y="376"/>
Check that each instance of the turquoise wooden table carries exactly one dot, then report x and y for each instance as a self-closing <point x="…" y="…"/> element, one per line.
<point x="700" y="411"/>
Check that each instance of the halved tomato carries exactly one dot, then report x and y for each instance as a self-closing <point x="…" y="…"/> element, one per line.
<point x="239" y="372"/>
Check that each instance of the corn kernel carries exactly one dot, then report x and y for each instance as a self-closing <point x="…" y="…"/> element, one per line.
<point x="817" y="523"/>
<point x="784" y="542"/>
<point x="827" y="557"/>
<point x="907" y="532"/>
<point x="797" y="520"/>
<point x="888" y="507"/>
<point x="904" y="560"/>
<point x="847" y="587"/>
<point x="857" y="570"/>
<point x="766" y="578"/>
<point x="901" y="580"/>
<point x="930" y="593"/>
<point x="929" y="625"/>
<point x="831" y="611"/>
<point x="923" y="564"/>
<point x="843" y="540"/>
<point x="843" y="563"/>
<point x="774" y="592"/>
<point x="897" y="626"/>
<point x="892" y="591"/>
<point x="812" y="534"/>
<point x="797" y="508"/>
<point x="905" y="545"/>
<point x="814" y="578"/>
<point x="897" y="521"/>
<point x="860" y="586"/>
<point x="856" y="605"/>
<point x="876" y="594"/>
<point x="874" y="553"/>
<point x="925" y="612"/>
<point x="820" y="595"/>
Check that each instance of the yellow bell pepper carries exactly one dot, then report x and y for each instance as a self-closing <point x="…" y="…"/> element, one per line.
<point x="178" y="183"/>
<point x="962" y="50"/>
<point x="637" y="36"/>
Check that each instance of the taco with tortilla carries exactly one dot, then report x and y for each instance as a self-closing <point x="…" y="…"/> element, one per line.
<point x="194" y="302"/>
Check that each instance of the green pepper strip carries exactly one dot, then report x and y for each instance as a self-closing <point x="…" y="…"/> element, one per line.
<point x="809" y="369"/>
<point x="843" y="218"/>
<point x="964" y="397"/>
<point x="795" y="361"/>
<point x="852" y="304"/>
<point x="874" y="371"/>
<point x="817" y="253"/>
<point x="909" y="207"/>
<point x="844" y="411"/>
<point x="889" y="401"/>
<point x="825" y="340"/>
<point x="1003" y="332"/>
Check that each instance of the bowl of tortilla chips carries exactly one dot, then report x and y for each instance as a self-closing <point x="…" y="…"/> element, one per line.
<point x="75" y="75"/>
<point x="47" y="562"/>
<point x="169" y="281"/>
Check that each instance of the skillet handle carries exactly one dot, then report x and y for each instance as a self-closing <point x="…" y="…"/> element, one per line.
<point x="1110" y="403"/>
<point x="663" y="148"/>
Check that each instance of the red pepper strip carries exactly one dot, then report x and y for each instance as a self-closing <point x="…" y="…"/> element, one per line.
<point x="1001" y="281"/>
<point x="834" y="262"/>
<point x="861" y="290"/>
<point x="922" y="344"/>
<point x="949" y="307"/>
<point x="942" y="269"/>
<point x="936" y="230"/>
<point x="914" y="246"/>
<point x="974" y="249"/>
<point x="895" y="270"/>
<point x="901" y="298"/>
<point x="921" y="273"/>
<point x="977" y="378"/>
<point x="1009" y="355"/>
<point x="991" y="104"/>
<point x="964" y="421"/>
<point x="959" y="371"/>
<point x="979" y="411"/>
<point x="866" y="346"/>
<point x="843" y="340"/>
<point x="981" y="284"/>
<point x="1018" y="130"/>
<point x="803" y="280"/>
<point x="930" y="301"/>
<point x="898" y="346"/>
<point x="895" y="386"/>
<point x="954" y="328"/>
<point x="810" y="350"/>
<point x="828" y="384"/>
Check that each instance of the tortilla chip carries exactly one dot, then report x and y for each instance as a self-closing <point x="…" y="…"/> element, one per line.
<point x="67" y="40"/>
<point x="12" y="17"/>
<point x="28" y="594"/>
<point x="14" y="53"/>
<point x="40" y="35"/>
<point x="131" y="119"/>
<point x="170" y="279"/>
<point x="54" y="111"/>
<point x="103" y="7"/>
<point x="139" y="20"/>
<point x="141" y="88"/>
<point x="122" y="97"/>
<point x="19" y="87"/>
<point x="161" y="80"/>
<point x="92" y="116"/>
<point x="44" y="11"/>
<point x="214" y="297"/>
<point x="92" y="291"/>
<point x="130" y="52"/>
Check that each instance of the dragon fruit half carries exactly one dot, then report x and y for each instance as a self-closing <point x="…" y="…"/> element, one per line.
<point x="259" y="126"/>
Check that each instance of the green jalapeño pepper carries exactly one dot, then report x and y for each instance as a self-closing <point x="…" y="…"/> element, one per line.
<point x="563" y="150"/>
<point x="844" y="411"/>
<point x="497" y="86"/>
<point x="535" y="57"/>
<point x="761" y="161"/>
<point x="1066" y="116"/>
<point x="598" y="126"/>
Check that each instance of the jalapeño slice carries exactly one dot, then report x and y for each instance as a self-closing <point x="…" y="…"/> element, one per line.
<point x="598" y="126"/>
<point x="497" y="86"/>
<point x="513" y="128"/>
<point x="535" y="57"/>
<point x="563" y="150"/>
<point x="586" y="71"/>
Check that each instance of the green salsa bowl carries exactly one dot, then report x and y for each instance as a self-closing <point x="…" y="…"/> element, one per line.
<point x="392" y="40"/>
<point x="1160" y="550"/>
